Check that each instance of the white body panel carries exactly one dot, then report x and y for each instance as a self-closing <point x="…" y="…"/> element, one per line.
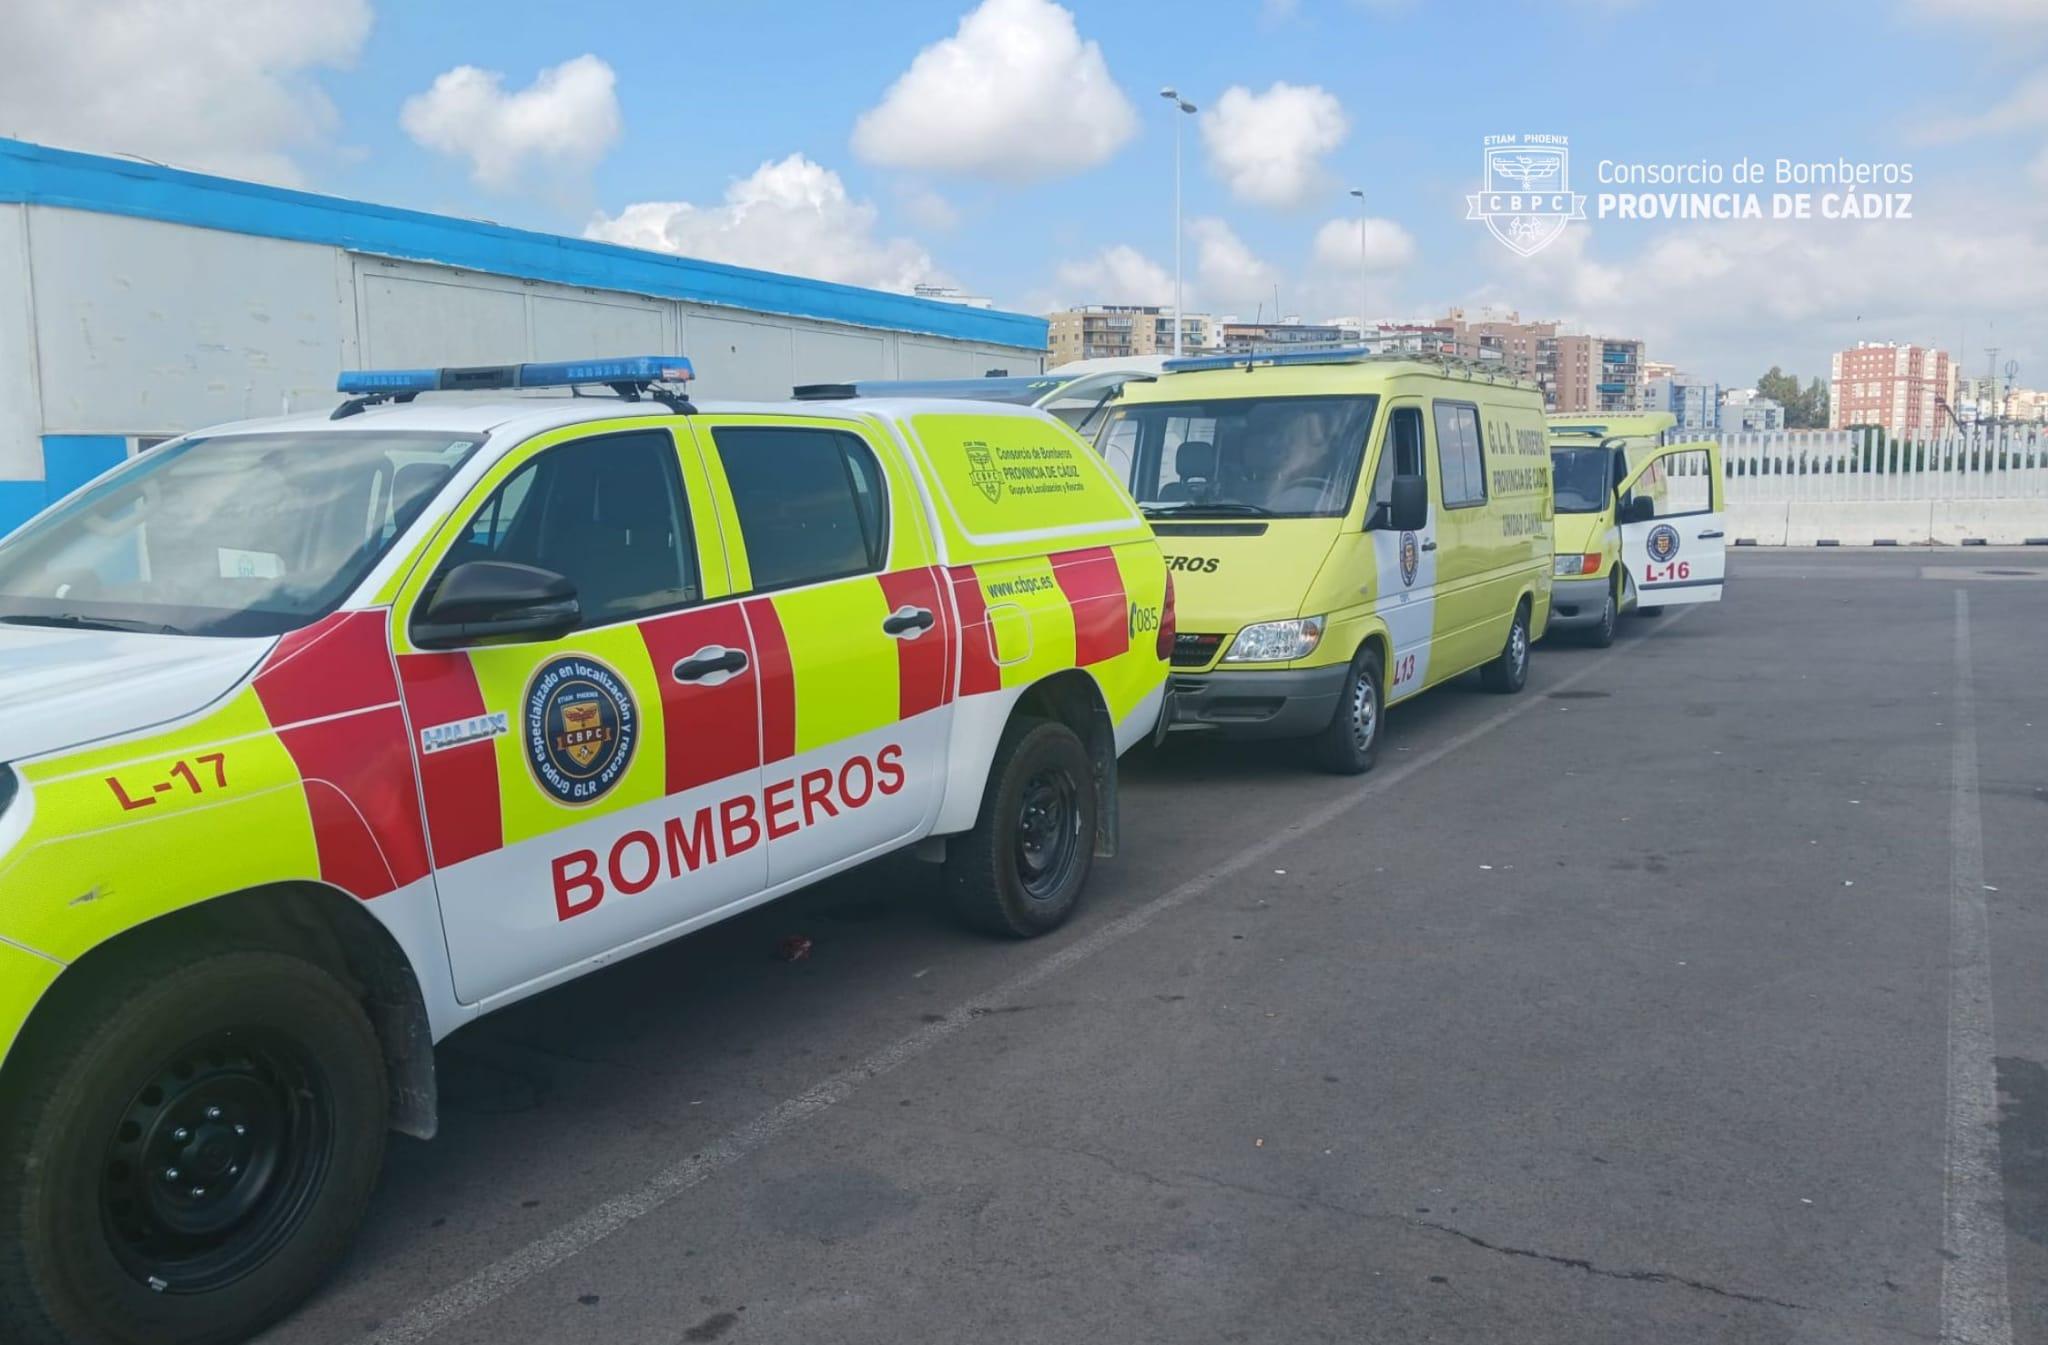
<point x="63" y="688"/>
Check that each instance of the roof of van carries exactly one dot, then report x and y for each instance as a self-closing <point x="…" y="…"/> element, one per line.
<point x="1335" y="377"/>
<point x="1572" y="425"/>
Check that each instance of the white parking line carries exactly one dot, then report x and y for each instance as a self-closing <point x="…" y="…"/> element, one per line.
<point x="1975" y="1307"/>
<point x="501" y="1277"/>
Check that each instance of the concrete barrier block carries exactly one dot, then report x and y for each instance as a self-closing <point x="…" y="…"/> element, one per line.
<point x="1761" y="522"/>
<point x="1998" y="522"/>
<point x="1856" y="522"/>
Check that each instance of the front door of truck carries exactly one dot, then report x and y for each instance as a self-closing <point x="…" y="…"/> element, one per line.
<point x="1673" y="525"/>
<point x="1405" y="595"/>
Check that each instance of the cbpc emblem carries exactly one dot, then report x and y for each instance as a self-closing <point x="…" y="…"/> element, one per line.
<point x="580" y="728"/>
<point x="1411" y="557"/>
<point x="1528" y="197"/>
<point x="982" y="472"/>
<point x="1663" y="542"/>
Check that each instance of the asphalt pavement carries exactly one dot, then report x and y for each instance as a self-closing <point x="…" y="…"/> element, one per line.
<point x="1695" y="994"/>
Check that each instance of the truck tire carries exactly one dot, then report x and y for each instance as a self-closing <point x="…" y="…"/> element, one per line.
<point x="1350" y="743"/>
<point x="187" y="1154"/>
<point x="1021" y="870"/>
<point x="1509" y="672"/>
<point x="1602" y="635"/>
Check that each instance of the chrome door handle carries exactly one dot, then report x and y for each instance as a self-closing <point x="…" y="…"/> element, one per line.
<point x="709" y="663"/>
<point x="907" y="622"/>
<point x="1707" y="536"/>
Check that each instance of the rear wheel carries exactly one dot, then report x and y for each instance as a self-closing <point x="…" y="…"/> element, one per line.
<point x="1021" y="870"/>
<point x="1350" y="743"/>
<point x="1509" y="672"/>
<point x="189" y="1153"/>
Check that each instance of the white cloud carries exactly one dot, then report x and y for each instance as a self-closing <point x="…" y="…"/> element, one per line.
<point x="1014" y="94"/>
<point x="218" y="85"/>
<point x="1268" y="147"/>
<point x="927" y="209"/>
<point x="1388" y="246"/>
<point x="2025" y="106"/>
<point x="1116" y="275"/>
<point x="1229" y="273"/>
<point x="793" y="216"/>
<point x="2001" y="13"/>
<point x="1728" y="300"/>
<point x="562" y="123"/>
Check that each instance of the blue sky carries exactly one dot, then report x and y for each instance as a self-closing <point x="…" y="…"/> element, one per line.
<point x="1396" y="98"/>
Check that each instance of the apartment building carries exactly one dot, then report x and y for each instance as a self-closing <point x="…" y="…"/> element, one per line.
<point x="1906" y="389"/>
<point x="1595" y="373"/>
<point x="1123" y="330"/>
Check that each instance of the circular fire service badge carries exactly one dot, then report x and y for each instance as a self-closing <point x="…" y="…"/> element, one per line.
<point x="1411" y="556"/>
<point x="1663" y="542"/>
<point x="580" y="728"/>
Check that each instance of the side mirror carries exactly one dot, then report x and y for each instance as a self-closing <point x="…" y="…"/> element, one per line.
<point x="490" y="599"/>
<point x="1638" y="509"/>
<point x="1410" y="512"/>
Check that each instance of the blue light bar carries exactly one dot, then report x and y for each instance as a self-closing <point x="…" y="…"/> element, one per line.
<point x="1337" y="355"/>
<point x="493" y="377"/>
<point x="389" y="380"/>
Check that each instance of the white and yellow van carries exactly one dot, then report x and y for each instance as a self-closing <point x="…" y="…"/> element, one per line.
<point x="1344" y="530"/>
<point x="1639" y="522"/>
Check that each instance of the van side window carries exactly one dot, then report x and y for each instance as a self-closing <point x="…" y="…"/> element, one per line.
<point x="606" y="512"/>
<point x="1460" y="458"/>
<point x="812" y="503"/>
<point x="1401" y="456"/>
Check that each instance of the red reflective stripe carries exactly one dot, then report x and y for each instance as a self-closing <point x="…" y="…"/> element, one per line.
<point x="920" y="663"/>
<point x="711" y="732"/>
<point x="330" y="694"/>
<point x="778" y="681"/>
<point x="1095" y="589"/>
<point x="339" y="663"/>
<point x="978" y="670"/>
<point x="461" y="782"/>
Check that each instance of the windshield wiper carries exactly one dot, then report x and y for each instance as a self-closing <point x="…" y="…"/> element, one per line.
<point x="79" y="621"/>
<point x="1196" y="508"/>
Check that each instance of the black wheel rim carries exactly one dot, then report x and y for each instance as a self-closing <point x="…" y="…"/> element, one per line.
<point x="215" y="1160"/>
<point x="1048" y="833"/>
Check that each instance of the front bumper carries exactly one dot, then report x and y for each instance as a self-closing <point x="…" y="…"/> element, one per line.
<point x="1277" y="703"/>
<point x="1577" y="602"/>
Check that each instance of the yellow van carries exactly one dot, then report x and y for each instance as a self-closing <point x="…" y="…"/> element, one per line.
<point x="1639" y="522"/>
<point x="1343" y="530"/>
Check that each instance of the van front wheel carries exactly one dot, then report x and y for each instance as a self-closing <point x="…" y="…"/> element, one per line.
<point x="1350" y="743"/>
<point x="1021" y="870"/>
<point x="188" y="1152"/>
<point x="1509" y="672"/>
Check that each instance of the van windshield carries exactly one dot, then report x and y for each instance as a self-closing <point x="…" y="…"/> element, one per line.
<point x="1284" y="457"/>
<point x="1582" y="479"/>
<point x="238" y="535"/>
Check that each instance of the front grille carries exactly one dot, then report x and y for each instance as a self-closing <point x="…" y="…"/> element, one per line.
<point x="1194" y="651"/>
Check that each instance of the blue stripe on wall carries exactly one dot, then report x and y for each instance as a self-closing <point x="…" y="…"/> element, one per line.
<point x="69" y="461"/>
<point x="19" y="501"/>
<point x="37" y="175"/>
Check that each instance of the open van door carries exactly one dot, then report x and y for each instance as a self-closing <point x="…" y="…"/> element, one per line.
<point x="1673" y="521"/>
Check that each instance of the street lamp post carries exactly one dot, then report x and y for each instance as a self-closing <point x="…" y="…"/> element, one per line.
<point x="1362" y="283"/>
<point x="1172" y="95"/>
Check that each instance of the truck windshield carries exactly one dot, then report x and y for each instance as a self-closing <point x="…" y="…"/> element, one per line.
<point x="238" y="535"/>
<point x="1287" y="457"/>
<point x="1582" y="479"/>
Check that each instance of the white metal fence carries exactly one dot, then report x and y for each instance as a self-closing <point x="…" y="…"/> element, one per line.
<point x="1848" y="466"/>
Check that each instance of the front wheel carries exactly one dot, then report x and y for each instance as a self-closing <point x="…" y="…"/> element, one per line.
<point x="1602" y="635"/>
<point x="1509" y="672"/>
<point x="188" y="1152"/>
<point x="1021" y="870"/>
<point x="1350" y="743"/>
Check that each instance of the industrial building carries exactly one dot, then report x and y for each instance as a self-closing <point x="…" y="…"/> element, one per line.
<point x="138" y="302"/>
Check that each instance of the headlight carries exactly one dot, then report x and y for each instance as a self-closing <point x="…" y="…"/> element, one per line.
<point x="1276" y="641"/>
<point x="1588" y="563"/>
